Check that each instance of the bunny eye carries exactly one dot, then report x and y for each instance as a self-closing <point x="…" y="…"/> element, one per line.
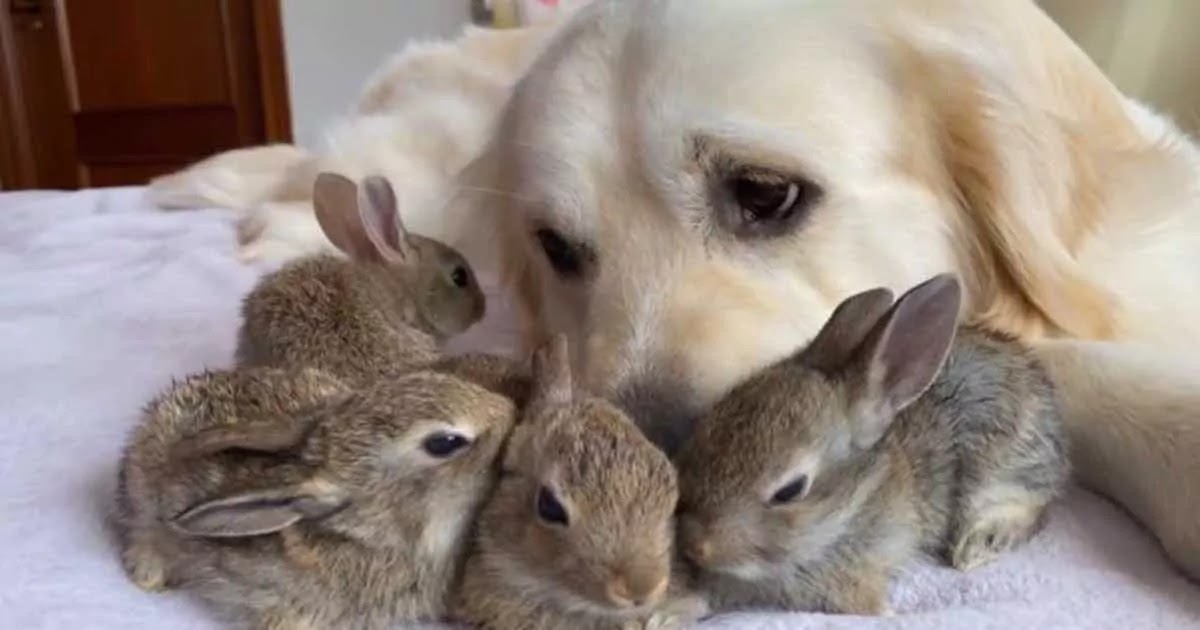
<point x="460" y="277"/>
<point x="796" y="489"/>
<point x="550" y="509"/>
<point x="443" y="444"/>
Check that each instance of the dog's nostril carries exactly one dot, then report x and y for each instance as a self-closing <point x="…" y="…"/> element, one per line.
<point x="664" y="413"/>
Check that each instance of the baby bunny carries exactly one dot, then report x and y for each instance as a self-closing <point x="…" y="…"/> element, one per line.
<point x="350" y="513"/>
<point x="150" y="476"/>
<point x="495" y="373"/>
<point x="386" y="310"/>
<point x="579" y="531"/>
<point x="808" y="484"/>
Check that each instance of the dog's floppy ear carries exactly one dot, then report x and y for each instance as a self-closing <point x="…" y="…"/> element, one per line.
<point x="1024" y="173"/>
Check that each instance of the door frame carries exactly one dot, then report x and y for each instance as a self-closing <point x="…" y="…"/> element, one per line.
<point x="272" y="70"/>
<point x="16" y="154"/>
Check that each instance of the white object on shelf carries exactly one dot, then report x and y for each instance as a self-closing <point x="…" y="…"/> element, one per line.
<point x="536" y="11"/>
<point x="509" y="13"/>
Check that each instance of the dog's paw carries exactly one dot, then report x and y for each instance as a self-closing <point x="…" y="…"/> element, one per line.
<point x="277" y="233"/>
<point x="271" y="251"/>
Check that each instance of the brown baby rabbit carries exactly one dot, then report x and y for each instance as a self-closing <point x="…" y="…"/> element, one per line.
<point x="352" y="513"/>
<point x="579" y="532"/>
<point x="499" y="374"/>
<point x="386" y="310"/>
<point x="811" y="482"/>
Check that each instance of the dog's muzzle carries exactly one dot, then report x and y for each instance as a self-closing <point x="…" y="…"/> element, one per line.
<point x="665" y="412"/>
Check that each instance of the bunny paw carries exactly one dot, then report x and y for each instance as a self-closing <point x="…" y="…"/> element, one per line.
<point x="663" y="621"/>
<point x="681" y="613"/>
<point x="283" y="621"/>
<point x="146" y="570"/>
<point x="986" y="541"/>
<point x="296" y="548"/>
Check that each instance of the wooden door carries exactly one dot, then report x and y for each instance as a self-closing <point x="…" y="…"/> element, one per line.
<point x="114" y="92"/>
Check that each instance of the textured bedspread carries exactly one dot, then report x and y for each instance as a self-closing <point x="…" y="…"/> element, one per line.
<point x="103" y="301"/>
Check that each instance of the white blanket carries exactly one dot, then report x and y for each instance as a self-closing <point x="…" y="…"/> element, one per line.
<point x="103" y="301"/>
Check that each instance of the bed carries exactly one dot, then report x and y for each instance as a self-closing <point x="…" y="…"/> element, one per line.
<point x="103" y="300"/>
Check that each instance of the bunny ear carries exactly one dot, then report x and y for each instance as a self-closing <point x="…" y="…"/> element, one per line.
<point x="379" y="218"/>
<point x="849" y="324"/>
<point x="552" y="373"/>
<point x="261" y="511"/>
<point x="902" y="355"/>
<point x="267" y="436"/>
<point x="336" y="203"/>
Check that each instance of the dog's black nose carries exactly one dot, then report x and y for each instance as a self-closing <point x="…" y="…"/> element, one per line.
<point x="665" y="412"/>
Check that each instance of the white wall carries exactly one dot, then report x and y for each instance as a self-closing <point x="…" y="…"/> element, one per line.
<point x="334" y="45"/>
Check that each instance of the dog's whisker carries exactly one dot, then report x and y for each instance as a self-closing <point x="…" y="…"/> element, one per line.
<point x="504" y="194"/>
<point x="537" y="150"/>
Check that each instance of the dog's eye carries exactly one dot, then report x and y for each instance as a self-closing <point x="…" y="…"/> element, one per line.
<point x="763" y="201"/>
<point x="564" y="257"/>
<point x="794" y="490"/>
<point x="767" y="203"/>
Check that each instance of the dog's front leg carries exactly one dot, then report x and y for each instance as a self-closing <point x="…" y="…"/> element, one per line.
<point x="1133" y="417"/>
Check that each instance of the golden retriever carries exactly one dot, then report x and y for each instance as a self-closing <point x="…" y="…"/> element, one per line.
<point x="694" y="185"/>
<point x="420" y="120"/>
<point x="688" y="187"/>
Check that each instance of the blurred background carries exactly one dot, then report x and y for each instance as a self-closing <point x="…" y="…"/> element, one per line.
<point x="113" y="92"/>
<point x="334" y="45"/>
<point x="1150" y="48"/>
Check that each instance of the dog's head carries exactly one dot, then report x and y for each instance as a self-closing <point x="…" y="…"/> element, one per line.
<point x="693" y="186"/>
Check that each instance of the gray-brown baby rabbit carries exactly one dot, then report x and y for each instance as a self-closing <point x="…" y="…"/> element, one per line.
<point x="811" y="482"/>
<point x="579" y="532"/>
<point x="499" y="374"/>
<point x="290" y="501"/>
<point x="386" y="310"/>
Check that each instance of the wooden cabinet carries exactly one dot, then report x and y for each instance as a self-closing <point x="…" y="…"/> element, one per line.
<point x="114" y="92"/>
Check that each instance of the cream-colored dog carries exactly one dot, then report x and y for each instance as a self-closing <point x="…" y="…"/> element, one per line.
<point x="419" y="121"/>
<point x="696" y="184"/>
<point x="688" y="187"/>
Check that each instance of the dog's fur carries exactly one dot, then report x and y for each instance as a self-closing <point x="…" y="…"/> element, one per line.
<point x="948" y="135"/>
<point x="951" y="135"/>
<point x="419" y="121"/>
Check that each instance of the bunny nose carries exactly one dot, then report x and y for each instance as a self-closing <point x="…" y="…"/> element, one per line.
<point x="695" y="540"/>
<point x="637" y="589"/>
<point x="699" y="551"/>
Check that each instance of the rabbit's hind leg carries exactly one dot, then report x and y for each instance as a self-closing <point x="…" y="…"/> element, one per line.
<point x="995" y="522"/>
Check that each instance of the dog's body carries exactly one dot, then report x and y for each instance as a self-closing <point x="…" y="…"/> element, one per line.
<point x="419" y="120"/>
<point x="910" y="137"/>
